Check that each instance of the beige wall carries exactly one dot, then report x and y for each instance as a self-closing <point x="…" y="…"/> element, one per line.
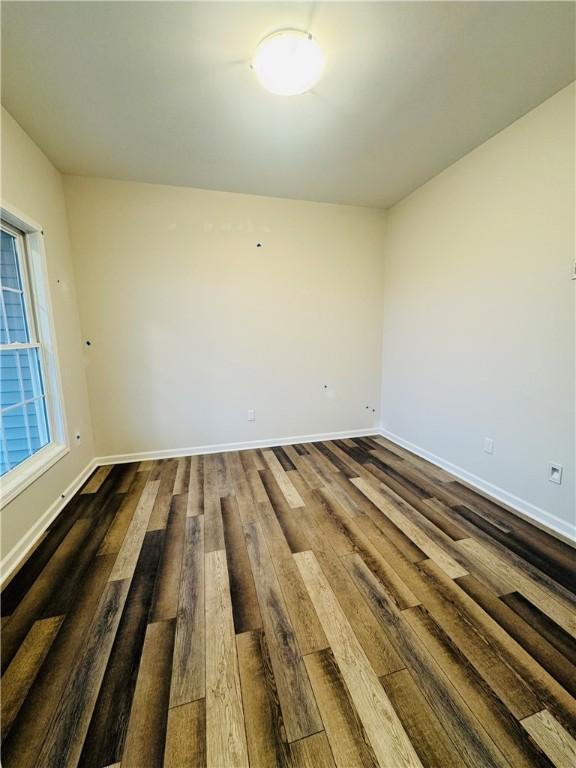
<point x="192" y="325"/>
<point x="31" y="184"/>
<point x="479" y="312"/>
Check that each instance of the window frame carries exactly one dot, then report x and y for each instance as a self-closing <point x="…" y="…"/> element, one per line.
<point x="39" y="316"/>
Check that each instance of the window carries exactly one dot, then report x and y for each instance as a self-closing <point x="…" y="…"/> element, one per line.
<point x="31" y="422"/>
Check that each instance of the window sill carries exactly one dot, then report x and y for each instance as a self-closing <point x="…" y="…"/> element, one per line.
<point x="19" y="478"/>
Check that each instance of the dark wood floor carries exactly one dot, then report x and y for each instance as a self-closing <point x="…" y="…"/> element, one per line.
<point x="339" y="603"/>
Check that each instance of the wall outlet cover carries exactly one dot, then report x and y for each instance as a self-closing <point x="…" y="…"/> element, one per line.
<point x="555" y="473"/>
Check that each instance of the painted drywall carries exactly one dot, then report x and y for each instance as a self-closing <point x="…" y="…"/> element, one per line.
<point x="32" y="185"/>
<point x="479" y="312"/>
<point x="192" y="324"/>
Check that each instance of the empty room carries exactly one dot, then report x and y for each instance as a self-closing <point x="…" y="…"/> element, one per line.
<point x="287" y="384"/>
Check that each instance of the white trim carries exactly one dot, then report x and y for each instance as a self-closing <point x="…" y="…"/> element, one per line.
<point x="530" y="512"/>
<point x="15" y="345"/>
<point x="172" y="453"/>
<point x="26" y="473"/>
<point x="46" y="329"/>
<point x="40" y="320"/>
<point x="21" y="403"/>
<point x="19" y="551"/>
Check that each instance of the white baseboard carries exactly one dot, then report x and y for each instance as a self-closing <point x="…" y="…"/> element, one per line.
<point x="533" y="514"/>
<point x="173" y="453"/>
<point x="19" y="551"/>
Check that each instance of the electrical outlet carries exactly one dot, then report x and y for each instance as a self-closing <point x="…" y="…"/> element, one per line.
<point x="251" y="415"/>
<point x="555" y="473"/>
<point x="488" y="445"/>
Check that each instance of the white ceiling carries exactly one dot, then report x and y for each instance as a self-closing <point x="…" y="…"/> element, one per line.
<point x="162" y="92"/>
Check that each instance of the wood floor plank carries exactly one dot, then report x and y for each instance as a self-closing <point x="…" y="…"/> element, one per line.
<point x="128" y="478"/>
<point x="525" y="539"/>
<point x="95" y="482"/>
<point x="376" y="646"/>
<point x="23" y="743"/>
<point x="305" y="471"/>
<point x="545" y="687"/>
<point x="338" y="458"/>
<point x="146" y="734"/>
<point x="413" y="531"/>
<point x="291" y="494"/>
<point x="130" y="549"/>
<point x="523" y="566"/>
<point x="182" y="477"/>
<point x="470" y="713"/>
<point x="242" y="492"/>
<point x="562" y="569"/>
<point x="165" y="600"/>
<point x="61" y="600"/>
<point x="224" y="481"/>
<point x="16" y="583"/>
<point x="497" y="582"/>
<point x="308" y="630"/>
<point x="335" y="463"/>
<point x="357" y="541"/>
<point x="245" y="607"/>
<point x="402" y="453"/>
<point x="313" y="475"/>
<point x="30" y="607"/>
<point x="283" y="458"/>
<point x="456" y="613"/>
<point x="116" y="533"/>
<point x="552" y="738"/>
<point x="547" y="601"/>
<point x="257" y="489"/>
<point x="163" y="500"/>
<point x="425" y="731"/>
<point x="24" y="667"/>
<point x="186" y="736"/>
<point x="496" y="720"/>
<point x="383" y="728"/>
<point x="350" y="745"/>
<point x="290" y="519"/>
<point x="188" y="669"/>
<point x="195" y="504"/>
<point x="265" y="733"/>
<point x="311" y="752"/>
<point x="371" y="511"/>
<point x="299" y="709"/>
<point x="545" y="626"/>
<point x="65" y="738"/>
<point x="526" y="634"/>
<point x="322" y="465"/>
<point x="440" y="515"/>
<point x="332" y="526"/>
<point x="213" y="527"/>
<point x="225" y="733"/>
<point x="106" y="734"/>
<point x="253" y="460"/>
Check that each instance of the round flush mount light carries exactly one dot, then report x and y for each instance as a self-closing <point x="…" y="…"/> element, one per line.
<point x="288" y="63"/>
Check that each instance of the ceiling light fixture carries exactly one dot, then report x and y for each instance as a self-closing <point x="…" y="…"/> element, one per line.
<point x="288" y="63"/>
